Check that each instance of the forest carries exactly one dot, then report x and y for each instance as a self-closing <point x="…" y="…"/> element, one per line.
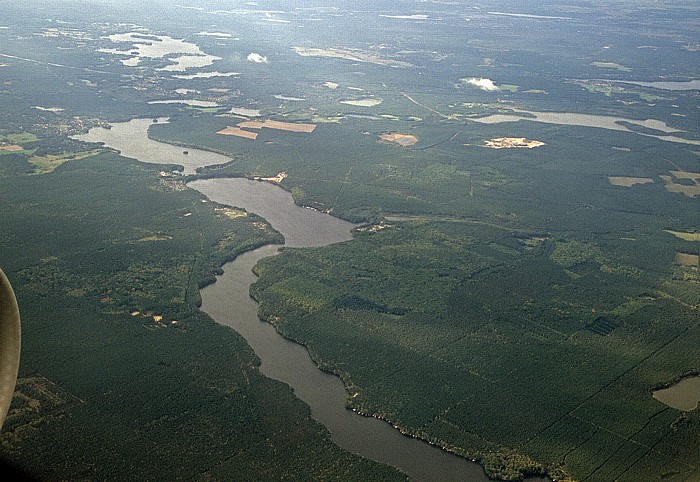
<point x="460" y="325"/>
<point x="122" y="377"/>
<point x="525" y="176"/>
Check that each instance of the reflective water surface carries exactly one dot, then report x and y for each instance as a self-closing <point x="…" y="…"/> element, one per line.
<point x="228" y="302"/>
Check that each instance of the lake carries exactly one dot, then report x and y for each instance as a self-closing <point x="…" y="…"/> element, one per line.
<point x="191" y="102"/>
<point x="665" y="84"/>
<point x="588" y="120"/>
<point x="132" y="140"/>
<point x="684" y="395"/>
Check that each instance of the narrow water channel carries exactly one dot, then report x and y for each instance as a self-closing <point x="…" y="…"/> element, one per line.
<point x="228" y="302"/>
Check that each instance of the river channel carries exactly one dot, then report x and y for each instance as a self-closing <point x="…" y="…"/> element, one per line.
<point x="228" y="302"/>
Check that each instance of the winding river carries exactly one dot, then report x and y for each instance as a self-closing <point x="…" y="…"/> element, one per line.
<point x="228" y="302"/>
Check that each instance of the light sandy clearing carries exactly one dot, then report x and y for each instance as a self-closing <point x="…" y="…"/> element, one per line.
<point x="268" y="124"/>
<point x="512" y="142"/>
<point x="688" y="190"/>
<point x="193" y="103"/>
<point x="687" y="259"/>
<point x="404" y="140"/>
<point x="289" y="126"/>
<point x="362" y="102"/>
<point x="251" y="124"/>
<point x="611" y="65"/>
<point x="684" y="236"/>
<point x="245" y="112"/>
<point x="686" y="175"/>
<point x="276" y="179"/>
<point x="231" y="212"/>
<point x="238" y="132"/>
<point x="628" y="181"/>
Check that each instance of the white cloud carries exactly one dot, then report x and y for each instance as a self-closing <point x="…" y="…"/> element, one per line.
<point x="257" y="58"/>
<point x="483" y="84"/>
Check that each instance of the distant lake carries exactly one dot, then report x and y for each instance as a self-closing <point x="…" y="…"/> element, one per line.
<point x="131" y="139"/>
<point x="229" y="303"/>
<point x="160" y="47"/>
<point x="193" y="103"/>
<point x="684" y="395"/>
<point x="665" y="85"/>
<point x="587" y="120"/>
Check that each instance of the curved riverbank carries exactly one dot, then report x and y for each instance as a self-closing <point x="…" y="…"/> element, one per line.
<point x="229" y="303"/>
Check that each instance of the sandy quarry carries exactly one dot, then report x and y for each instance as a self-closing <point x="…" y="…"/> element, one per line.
<point x="400" y="139"/>
<point x="512" y="142"/>
<point x="276" y="179"/>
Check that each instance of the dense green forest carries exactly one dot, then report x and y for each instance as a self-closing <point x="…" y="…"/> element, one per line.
<point x="487" y="341"/>
<point x="517" y="307"/>
<point x="122" y="377"/>
<point x="514" y="305"/>
<point x="526" y="274"/>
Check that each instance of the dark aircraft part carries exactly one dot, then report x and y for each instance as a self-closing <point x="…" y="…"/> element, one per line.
<point x="9" y="344"/>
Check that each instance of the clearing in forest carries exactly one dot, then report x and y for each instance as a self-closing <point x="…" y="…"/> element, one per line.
<point x="47" y="163"/>
<point x="250" y="124"/>
<point x="684" y="182"/>
<point x="278" y="178"/>
<point x="684" y="236"/>
<point x="269" y="124"/>
<point x="400" y="139"/>
<point x="368" y="102"/>
<point x="628" y="181"/>
<point x="512" y="142"/>
<point x="687" y="259"/>
<point x="289" y="126"/>
<point x="238" y="132"/>
<point x="11" y="148"/>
